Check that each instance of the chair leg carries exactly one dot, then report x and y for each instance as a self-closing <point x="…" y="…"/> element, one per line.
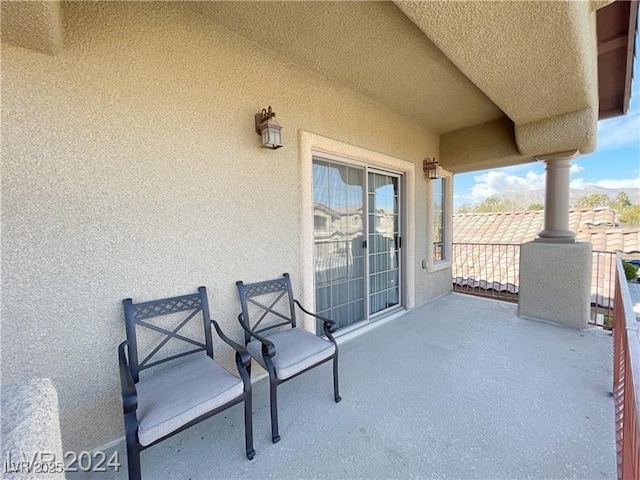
<point x="133" y="464"/>
<point x="274" y="410"/>
<point x="133" y="449"/>
<point x="248" y="427"/>
<point x="336" y="389"/>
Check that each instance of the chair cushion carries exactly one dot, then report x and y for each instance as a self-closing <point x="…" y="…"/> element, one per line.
<point x="173" y="398"/>
<point x="296" y="349"/>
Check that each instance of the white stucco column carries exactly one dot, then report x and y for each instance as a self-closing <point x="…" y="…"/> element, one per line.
<point x="555" y="271"/>
<point x="556" y="205"/>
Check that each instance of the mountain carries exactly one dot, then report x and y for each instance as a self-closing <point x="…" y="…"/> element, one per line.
<point x="529" y="197"/>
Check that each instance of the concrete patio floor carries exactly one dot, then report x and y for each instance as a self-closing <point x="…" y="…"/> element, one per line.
<point x="459" y="388"/>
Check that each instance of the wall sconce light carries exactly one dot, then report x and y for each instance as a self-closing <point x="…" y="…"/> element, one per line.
<point x="430" y="165"/>
<point x="268" y="129"/>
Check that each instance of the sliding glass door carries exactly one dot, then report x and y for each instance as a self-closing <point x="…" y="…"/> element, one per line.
<point x="384" y="241"/>
<point x="357" y="241"/>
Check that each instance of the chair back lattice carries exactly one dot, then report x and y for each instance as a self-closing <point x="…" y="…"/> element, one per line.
<point x="264" y="303"/>
<point x="141" y="314"/>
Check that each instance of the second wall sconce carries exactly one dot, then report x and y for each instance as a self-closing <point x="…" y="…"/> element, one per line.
<point x="268" y="129"/>
<point x="430" y="166"/>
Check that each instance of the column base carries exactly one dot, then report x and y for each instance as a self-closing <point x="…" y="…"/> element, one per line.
<point x="555" y="282"/>
<point x="556" y="236"/>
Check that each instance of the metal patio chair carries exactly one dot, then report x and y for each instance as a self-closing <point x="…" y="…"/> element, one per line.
<point x="174" y="399"/>
<point x="282" y="348"/>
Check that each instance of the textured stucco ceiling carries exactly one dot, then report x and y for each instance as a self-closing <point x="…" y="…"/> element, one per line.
<point x="522" y="74"/>
<point x="537" y="61"/>
<point x="371" y="47"/>
<point x="530" y="58"/>
<point x="33" y="25"/>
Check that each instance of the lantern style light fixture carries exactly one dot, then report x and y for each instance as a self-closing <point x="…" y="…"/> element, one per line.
<point x="430" y="165"/>
<point x="268" y="129"/>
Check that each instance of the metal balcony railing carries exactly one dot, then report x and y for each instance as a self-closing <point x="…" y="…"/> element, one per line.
<point x="603" y="275"/>
<point x="493" y="270"/>
<point x="486" y="269"/>
<point x="626" y="379"/>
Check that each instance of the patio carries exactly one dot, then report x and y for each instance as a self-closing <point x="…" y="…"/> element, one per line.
<point x="476" y="392"/>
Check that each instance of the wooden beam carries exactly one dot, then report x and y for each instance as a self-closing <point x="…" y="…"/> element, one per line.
<point x="612" y="112"/>
<point x="613" y="43"/>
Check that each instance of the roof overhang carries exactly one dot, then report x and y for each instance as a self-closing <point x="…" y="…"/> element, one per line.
<point x="501" y="82"/>
<point x="617" y="25"/>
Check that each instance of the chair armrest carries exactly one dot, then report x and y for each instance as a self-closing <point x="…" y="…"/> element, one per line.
<point x="129" y="393"/>
<point x="241" y="352"/>
<point x="329" y="325"/>
<point x="268" y="348"/>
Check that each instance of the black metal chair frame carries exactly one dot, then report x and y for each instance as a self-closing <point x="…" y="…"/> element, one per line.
<point x="248" y="292"/>
<point x="135" y="315"/>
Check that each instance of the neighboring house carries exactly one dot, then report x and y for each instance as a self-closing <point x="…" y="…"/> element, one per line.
<point x="496" y="266"/>
<point x="131" y="166"/>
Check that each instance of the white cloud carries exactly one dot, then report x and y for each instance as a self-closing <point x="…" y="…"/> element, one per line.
<point x="498" y="182"/>
<point x="480" y="191"/>
<point x="623" y="183"/>
<point x="578" y="184"/>
<point x="502" y="181"/>
<point x="620" y="132"/>
<point x="581" y="184"/>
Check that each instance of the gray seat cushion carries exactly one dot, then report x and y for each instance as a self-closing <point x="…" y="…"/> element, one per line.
<point x="173" y="398"/>
<point x="296" y="349"/>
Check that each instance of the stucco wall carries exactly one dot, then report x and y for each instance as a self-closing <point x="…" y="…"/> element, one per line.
<point x="563" y="297"/>
<point x="131" y="168"/>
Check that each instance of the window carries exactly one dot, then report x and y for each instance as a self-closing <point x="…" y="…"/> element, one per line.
<point x="438" y="228"/>
<point x="320" y="223"/>
<point x="439" y="222"/>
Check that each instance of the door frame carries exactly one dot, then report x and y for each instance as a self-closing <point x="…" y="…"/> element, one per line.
<point x="311" y="144"/>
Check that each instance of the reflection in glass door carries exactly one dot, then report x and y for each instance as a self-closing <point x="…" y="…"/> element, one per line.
<point x="356" y="241"/>
<point x="339" y="255"/>
<point x="384" y="241"/>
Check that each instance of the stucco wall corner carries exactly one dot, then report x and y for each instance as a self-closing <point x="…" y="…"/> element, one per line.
<point x="488" y="145"/>
<point x="36" y="25"/>
<point x="574" y="130"/>
<point x="305" y="145"/>
<point x="598" y="4"/>
<point x="30" y="425"/>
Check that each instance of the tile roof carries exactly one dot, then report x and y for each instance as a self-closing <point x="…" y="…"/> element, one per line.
<point x="598" y="226"/>
<point x="495" y="265"/>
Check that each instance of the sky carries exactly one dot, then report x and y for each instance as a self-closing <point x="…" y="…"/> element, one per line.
<point x="614" y="164"/>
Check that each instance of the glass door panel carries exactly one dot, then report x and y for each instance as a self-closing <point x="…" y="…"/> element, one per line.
<point x="384" y="241"/>
<point x="339" y="255"/>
